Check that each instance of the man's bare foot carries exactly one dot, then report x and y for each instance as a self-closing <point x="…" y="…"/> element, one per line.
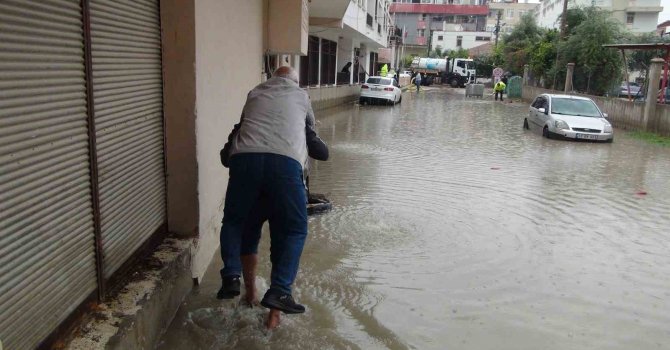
<point x="274" y="317"/>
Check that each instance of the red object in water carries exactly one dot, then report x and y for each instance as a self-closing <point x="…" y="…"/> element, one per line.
<point x="641" y="193"/>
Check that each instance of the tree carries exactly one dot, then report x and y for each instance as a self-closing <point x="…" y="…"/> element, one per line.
<point x="597" y="68"/>
<point x="519" y="44"/>
<point x="639" y="60"/>
<point x="543" y="55"/>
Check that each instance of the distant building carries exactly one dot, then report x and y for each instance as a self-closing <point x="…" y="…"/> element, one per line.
<point x="454" y="40"/>
<point x="418" y="20"/>
<point x="638" y="16"/>
<point x="511" y="13"/>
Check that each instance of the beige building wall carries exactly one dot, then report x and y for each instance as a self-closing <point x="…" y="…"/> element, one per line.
<point x="229" y="47"/>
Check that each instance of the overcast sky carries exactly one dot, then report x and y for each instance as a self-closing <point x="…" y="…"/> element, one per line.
<point x="665" y="15"/>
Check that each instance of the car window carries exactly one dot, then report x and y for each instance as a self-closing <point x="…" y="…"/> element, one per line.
<point x="461" y="64"/>
<point x="545" y="103"/>
<point x="578" y="107"/>
<point x="537" y="102"/>
<point x="395" y="83"/>
<point x="380" y="81"/>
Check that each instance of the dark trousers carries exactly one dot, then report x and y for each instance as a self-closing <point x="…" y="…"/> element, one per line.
<point x="265" y="186"/>
<point x="499" y="93"/>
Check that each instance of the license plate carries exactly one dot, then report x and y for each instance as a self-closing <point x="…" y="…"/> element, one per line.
<point x="376" y="89"/>
<point x="586" y="136"/>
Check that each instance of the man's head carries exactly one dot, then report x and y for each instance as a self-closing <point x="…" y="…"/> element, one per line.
<point x="286" y="72"/>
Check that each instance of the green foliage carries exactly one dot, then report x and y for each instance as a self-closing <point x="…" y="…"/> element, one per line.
<point x="596" y="68"/>
<point x="437" y="53"/>
<point x="460" y="53"/>
<point x="519" y="44"/>
<point x="484" y="65"/>
<point x="543" y="54"/>
<point x="407" y="61"/>
<point x="651" y="138"/>
<point x="639" y="60"/>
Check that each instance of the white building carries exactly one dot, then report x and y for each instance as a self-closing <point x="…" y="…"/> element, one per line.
<point x="450" y="40"/>
<point x="639" y="16"/>
<point x="510" y="14"/>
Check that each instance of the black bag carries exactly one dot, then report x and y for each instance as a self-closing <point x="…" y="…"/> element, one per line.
<point x="225" y="151"/>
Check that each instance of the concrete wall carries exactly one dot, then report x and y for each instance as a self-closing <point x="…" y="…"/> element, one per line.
<point x="329" y="96"/>
<point x="229" y="47"/>
<point x="621" y="113"/>
<point x="644" y="22"/>
<point x="178" y="39"/>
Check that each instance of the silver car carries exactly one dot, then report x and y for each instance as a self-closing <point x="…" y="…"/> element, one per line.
<point x="568" y="117"/>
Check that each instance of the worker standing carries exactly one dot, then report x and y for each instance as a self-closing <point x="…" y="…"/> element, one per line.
<point x="499" y="89"/>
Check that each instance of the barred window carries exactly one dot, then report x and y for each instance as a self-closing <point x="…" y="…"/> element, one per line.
<point x="309" y="65"/>
<point x="328" y="57"/>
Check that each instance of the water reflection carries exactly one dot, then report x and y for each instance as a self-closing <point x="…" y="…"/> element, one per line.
<point x="454" y="228"/>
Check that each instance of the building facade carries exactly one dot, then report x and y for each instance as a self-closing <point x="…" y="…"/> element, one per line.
<point x="113" y="115"/>
<point x="510" y="14"/>
<point x="419" y="20"/>
<point x="450" y="40"/>
<point x="638" y="16"/>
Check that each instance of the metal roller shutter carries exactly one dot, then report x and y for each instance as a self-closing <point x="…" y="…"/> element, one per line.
<point x="47" y="257"/>
<point x="128" y="105"/>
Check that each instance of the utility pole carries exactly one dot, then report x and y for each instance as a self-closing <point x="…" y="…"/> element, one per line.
<point x="430" y="36"/>
<point x="497" y="30"/>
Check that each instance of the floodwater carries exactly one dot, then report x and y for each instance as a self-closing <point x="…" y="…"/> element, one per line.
<point x="453" y="228"/>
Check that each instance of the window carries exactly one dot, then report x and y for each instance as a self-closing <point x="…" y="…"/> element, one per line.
<point x="482" y="38"/>
<point x="537" y="103"/>
<point x="328" y="54"/>
<point x="309" y="65"/>
<point x="440" y="37"/>
<point x="510" y="13"/>
<point x="630" y="17"/>
<point x="420" y="32"/>
<point x="459" y="41"/>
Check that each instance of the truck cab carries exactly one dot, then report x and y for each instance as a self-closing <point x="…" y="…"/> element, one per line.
<point x="465" y="67"/>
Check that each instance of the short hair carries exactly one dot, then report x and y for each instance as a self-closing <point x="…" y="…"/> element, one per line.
<point x="287" y="72"/>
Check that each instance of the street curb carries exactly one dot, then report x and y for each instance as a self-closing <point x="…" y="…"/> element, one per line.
<point x="138" y="316"/>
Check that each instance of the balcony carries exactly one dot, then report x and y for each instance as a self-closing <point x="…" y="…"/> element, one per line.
<point x="421" y="25"/>
<point x="421" y="40"/>
<point x="439" y="9"/>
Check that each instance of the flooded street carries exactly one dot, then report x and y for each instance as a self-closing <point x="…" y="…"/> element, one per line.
<point x="453" y="228"/>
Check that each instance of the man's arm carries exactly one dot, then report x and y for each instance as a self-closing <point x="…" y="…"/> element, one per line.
<point x="316" y="148"/>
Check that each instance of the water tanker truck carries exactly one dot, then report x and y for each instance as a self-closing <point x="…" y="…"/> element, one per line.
<point x="453" y="71"/>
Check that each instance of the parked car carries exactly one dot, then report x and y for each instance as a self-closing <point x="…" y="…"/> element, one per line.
<point x="634" y="90"/>
<point x="380" y="89"/>
<point x="568" y="117"/>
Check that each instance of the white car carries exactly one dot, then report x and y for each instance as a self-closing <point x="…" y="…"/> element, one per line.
<point x="567" y="116"/>
<point x="380" y="89"/>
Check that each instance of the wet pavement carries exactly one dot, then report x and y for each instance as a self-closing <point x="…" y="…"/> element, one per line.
<point x="453" y="228"/>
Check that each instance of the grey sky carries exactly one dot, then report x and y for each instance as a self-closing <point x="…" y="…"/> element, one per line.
<point x="665" y="15"/>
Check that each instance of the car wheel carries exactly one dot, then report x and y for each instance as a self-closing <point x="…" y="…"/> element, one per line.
<point x="545" y="132"/>
<point x="400" y="100"/>
<point x="610" y="140"/>
<point x="361" y="101"/>
<point x="525" y="124"/>
<point x="454" y="83"/>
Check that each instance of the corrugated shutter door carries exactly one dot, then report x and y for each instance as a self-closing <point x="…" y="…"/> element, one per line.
<point x="47" y="258"/>
<point x="127" y="90"/>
